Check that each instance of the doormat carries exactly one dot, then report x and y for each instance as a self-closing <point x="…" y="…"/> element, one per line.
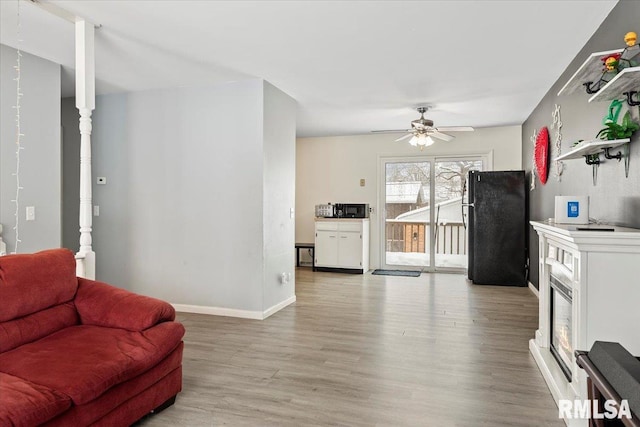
<point x="408" y="273"/>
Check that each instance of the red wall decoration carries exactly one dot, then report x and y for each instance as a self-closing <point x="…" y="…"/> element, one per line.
<point x="541" y="154"/>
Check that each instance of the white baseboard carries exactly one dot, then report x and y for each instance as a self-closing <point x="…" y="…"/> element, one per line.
<point x="232" y="312"/>
<point x="534" y="290"/>
<point x="218" y="311"/>
<point x="274" y="309"/>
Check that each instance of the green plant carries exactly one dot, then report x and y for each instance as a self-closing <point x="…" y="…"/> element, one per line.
<point x="619" y="131"/>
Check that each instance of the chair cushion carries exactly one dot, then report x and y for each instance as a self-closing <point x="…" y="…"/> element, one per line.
<point x="112" y="399"/>
<point x="33" y="282"/>
<point x="28" y="404"/>
<point x="23" y="330"/>
<point x="100" y="304"/>
<point x="84" y="361"/>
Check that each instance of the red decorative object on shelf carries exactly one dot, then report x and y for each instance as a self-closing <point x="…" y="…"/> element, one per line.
<point x="541" y="153"/>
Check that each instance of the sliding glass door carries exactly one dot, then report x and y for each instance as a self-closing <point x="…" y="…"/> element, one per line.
<point x="422" y="224"/>
<point x="407" y="220"/>
<point x="449" y="223"/>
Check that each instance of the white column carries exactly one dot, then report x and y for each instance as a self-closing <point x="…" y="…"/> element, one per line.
<point x="3" y="245"/>
<point x="85" y="102"/>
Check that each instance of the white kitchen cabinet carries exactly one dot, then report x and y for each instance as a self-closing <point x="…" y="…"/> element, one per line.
<point x="326" y="251"/>
<point x="342" y="245"/>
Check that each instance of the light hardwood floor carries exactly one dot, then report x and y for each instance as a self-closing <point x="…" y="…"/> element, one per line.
<point x="368" y="350"/>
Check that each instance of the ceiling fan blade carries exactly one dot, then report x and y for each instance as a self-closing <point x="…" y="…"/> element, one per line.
<point x="404" y="137"/>
<point x="442" y="136"/>
<point x="392" y="131"/>
<point x="456" y="128"/>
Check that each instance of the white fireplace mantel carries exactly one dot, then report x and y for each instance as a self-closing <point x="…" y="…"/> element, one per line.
<point x="604" y="268"/>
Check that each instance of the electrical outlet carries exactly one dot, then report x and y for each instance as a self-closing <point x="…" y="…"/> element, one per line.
<point x="362" y="182"/>
<point x="285" y="278"/>
<point x="31" y="213"/>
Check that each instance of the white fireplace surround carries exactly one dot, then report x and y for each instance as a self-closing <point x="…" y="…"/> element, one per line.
<point x="604" y="267"/>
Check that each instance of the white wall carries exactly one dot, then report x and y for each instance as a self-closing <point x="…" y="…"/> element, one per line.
<point x="183" y="213"/>
<point x="40" y="173"/>
<point x="279" y="194"/>
<point x="329" y="169"/>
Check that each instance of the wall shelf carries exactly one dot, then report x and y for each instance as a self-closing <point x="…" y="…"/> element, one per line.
<point x="604" y="85"/>
<point x="628" y="80"/>
<point x="589" y="71"/>
<point x="587" y="148"/>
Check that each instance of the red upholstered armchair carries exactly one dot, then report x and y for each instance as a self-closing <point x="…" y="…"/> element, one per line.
<point x="79" y="352"/>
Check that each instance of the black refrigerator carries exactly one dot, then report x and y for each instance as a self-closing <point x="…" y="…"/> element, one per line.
<point x="497" y="228"/>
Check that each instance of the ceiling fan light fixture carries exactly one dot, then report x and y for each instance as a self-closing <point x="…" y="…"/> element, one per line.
<point x="423" y="133"/>
<point x="421" y="140"/>
<point x="428" y="141"/>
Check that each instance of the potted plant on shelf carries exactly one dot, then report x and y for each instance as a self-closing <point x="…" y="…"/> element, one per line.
<point x="614" y="130"/>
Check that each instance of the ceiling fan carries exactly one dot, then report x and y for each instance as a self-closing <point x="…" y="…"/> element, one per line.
<point x="422" y="131"/>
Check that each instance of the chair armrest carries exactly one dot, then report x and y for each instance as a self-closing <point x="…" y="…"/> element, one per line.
<point x="104" y="305"/>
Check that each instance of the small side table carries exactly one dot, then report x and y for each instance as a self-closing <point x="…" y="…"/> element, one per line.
<point x="311" y="246"/>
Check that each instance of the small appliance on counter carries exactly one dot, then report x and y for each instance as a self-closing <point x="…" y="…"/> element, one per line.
<point x="325" y="211"/>
<point x="352" y="210"/>
<point x="343" y="210"/>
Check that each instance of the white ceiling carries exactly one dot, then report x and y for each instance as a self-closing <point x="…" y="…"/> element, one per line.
<point x="353" y="66"/>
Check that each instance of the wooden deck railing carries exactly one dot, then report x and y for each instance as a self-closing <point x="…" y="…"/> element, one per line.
<point x="451" y="237"/>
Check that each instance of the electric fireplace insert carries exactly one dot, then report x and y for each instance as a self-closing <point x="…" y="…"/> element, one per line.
<point x="561" y="322"/>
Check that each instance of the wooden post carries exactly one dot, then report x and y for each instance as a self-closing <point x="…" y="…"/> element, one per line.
<point x="85" y="102"/>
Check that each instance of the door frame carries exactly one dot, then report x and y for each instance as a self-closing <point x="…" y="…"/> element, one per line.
<point x="382" y="213"/>
<point x="487" y="162"/>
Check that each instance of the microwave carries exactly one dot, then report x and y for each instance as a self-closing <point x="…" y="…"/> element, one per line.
<point x="351" y="210"/>
<point x="325" y="211"/>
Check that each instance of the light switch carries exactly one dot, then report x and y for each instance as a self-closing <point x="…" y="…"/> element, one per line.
<point x="362" y="182"/>
<point x="31" y="213"/>
<point x="96" y="210"/>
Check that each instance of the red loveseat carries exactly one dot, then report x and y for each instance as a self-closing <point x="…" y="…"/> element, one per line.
<point x="76" y="352"/>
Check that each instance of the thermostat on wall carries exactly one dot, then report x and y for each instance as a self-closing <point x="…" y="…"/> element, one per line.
<point x="572" y="209"/>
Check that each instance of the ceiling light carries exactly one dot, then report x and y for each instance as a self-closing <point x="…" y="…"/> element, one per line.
<point x="421" y="140"/>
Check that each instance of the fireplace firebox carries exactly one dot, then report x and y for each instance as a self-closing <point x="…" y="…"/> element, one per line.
<point x="561" y="322"/>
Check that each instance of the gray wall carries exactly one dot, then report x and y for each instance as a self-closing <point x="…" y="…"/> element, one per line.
<point x="71" y="174"/>
<point x="40" y="172"/>
<point x="182" y="213"/>
<point x="614" y="199"/>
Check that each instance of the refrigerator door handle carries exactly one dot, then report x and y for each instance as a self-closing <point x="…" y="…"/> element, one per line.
<point x="465" y="205"/>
